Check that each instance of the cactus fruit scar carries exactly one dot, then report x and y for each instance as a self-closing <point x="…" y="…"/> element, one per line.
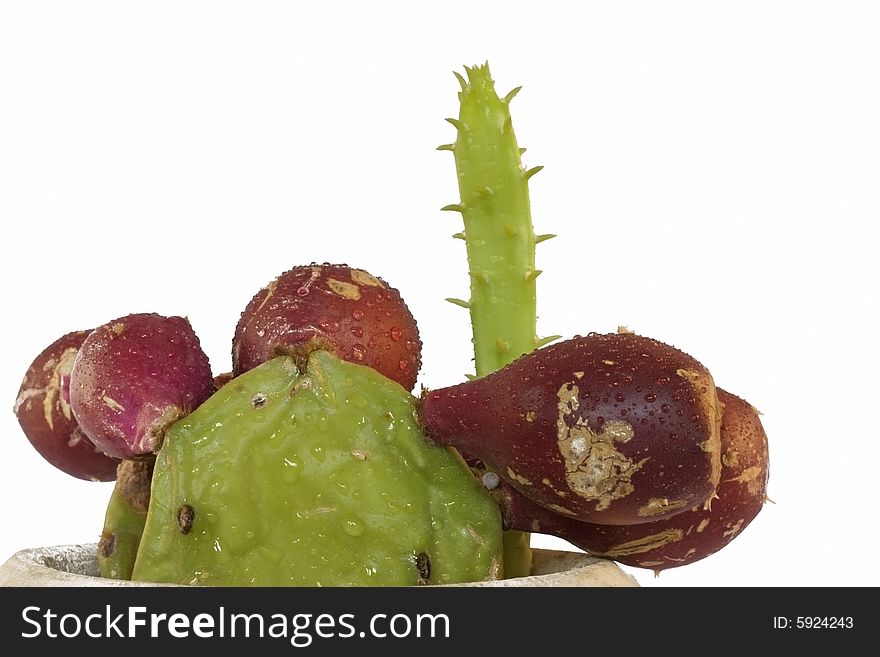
<point x="125" y="518"/>
<point x="315" y="478"/>
<point x="494" y="190"/>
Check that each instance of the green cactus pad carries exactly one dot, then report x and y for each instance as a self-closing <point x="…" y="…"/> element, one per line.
<point x="316" y="479"/>
<point x="124" y="520"/>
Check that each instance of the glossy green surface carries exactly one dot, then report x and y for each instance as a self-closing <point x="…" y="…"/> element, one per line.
<point x="323" y="478"/>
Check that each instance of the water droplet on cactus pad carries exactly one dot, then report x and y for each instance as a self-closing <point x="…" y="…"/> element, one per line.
<point x="353" y="527"/>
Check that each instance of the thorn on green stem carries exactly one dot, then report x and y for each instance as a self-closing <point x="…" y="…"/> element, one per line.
<point x="543" y="342"/>
<point x="544" y="238"/>
<point x="531" y="172"/>
<point x="459" y="125"/>
<point x="452" y="207"/>
<point x="510" y="95"/>
<point x="446" y="147"/>
<point x="458" y="236"/>
<point x="459" y="302"/>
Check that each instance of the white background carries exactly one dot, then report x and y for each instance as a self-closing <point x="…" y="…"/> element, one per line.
<point x="711" y="168"/>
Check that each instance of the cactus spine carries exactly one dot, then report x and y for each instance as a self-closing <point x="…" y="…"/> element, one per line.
<point x="493" y="185"/>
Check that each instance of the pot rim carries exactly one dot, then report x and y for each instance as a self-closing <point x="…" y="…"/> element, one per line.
<point x="77" y="565"/>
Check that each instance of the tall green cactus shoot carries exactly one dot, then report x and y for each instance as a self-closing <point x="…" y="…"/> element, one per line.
<point x="493" y="185"/>
<point x="320" y="477"/>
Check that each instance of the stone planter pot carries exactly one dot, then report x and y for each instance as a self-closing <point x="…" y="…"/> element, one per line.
<point x="76" y="565"/>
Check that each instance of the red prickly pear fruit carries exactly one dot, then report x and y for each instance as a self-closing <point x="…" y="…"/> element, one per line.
<point x="686" y="537"/>
<point x="346" y="311"/>
<point x="43" y="411"/>
<point x="134" y="377"/>
<point x="615" y="429"/>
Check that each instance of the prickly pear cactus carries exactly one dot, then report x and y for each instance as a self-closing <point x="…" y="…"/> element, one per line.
<point x="493" y="185"/>
<point x="316" y="478"/>
<point x="125" y="518"/>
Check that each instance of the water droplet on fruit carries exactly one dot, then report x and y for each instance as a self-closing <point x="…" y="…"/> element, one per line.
<point x="357" y="331"/>
<point x="358" y="352"/>
<point x="302" y="291"/>
<point x="353" y="527"/>
<point x="318" y="453"/>
<point x="260" y="333"/>
<point x="620" y="397"/>
<point x="650" y="398"/>
<point x="402" y="365"/>
<point x="395" y="333"/>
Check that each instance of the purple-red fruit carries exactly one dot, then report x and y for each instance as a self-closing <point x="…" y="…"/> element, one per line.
<point x="688" y="536"/>
<point x="134" y="377"/>
<point x="615" y="429"/>
<point x="346" y="311"/>
<point x="43" y="411"/>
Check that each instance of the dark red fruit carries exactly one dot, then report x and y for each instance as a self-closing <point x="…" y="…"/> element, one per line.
<point x="686" y="537"/>
<point x="134" y="377"/>
<point x="347" y="311"/>
<point x="616" y="429"/>
<point x="43" y="411"/>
